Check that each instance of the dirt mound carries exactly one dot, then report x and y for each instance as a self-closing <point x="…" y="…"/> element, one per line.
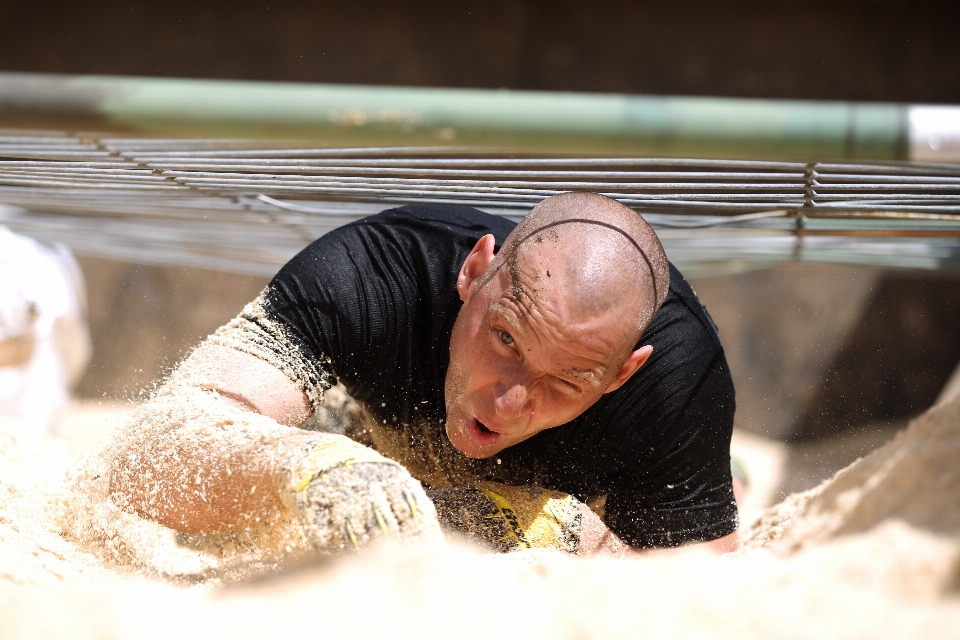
<point x="873" y="552"/>
<point x="914" y="478"/>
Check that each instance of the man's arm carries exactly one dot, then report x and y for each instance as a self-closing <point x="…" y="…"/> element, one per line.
<point x="597" y="538"/>
<point x="207" y="449"/>
<point x="216" y="449"/>
<point x="726" y="544"/>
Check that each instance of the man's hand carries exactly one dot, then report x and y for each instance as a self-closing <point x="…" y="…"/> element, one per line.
<point x="347" y="495"/>
<point x="506" y="518"/>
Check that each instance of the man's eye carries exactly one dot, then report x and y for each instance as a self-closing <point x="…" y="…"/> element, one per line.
<point x="506" y="338"/>
<point x="571" y="389"/>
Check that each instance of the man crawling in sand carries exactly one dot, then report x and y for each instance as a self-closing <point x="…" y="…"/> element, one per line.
<point x="508" y="375"/>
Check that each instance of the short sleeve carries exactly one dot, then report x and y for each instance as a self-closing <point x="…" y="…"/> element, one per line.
<point x="373" y="304"/>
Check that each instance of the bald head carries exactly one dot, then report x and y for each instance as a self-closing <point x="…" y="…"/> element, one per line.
<point x="604" y="257"/>
<point x="550" y="323"/>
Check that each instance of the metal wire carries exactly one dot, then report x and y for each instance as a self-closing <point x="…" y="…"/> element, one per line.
<point x="248" y="206"/>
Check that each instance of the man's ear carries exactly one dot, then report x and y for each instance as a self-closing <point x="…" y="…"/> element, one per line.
<point x="475" y="266"/>
<point x="630" y="367"/>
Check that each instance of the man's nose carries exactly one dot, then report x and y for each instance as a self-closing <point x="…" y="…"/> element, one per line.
<point x="513" y="398"/>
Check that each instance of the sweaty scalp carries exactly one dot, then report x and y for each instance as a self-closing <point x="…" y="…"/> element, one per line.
<point x="608" y="254"/>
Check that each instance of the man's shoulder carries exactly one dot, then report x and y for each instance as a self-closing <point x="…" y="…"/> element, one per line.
<point x="684" y="317"/>
<point x="377" y="299"/>
<point x="422" y="242"/>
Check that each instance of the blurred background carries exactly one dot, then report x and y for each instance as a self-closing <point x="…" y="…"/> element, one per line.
<point x="830" y="359"/>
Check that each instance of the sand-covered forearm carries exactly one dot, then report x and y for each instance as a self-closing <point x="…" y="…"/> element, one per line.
<point x="201" y="457"/>
<point x="215" y="448"/>
<point x="197" y="462"/>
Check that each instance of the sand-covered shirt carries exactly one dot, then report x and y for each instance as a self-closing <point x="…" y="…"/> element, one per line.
<point x="373" y="304"/>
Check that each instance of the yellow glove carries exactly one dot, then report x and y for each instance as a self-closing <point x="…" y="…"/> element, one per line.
<point x="347" y="495"/>
<point x="506" y="518"/>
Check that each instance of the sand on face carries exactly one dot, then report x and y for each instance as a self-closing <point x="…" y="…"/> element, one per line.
<point x="873" y="552"/>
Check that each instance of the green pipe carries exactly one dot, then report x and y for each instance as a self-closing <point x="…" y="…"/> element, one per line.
<point x="521" y="121"/>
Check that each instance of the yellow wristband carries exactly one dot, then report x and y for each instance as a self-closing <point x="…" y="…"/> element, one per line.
<point x="332" y="452"/>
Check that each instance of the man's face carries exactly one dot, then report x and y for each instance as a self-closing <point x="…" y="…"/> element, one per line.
<point x="525" y="358"/>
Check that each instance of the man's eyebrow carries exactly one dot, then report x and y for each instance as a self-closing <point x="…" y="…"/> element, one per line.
<point x="501" y="310"/>
<point x="587" y="375"/>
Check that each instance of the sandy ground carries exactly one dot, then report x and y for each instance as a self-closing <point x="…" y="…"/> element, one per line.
<point x="873" y="552"/>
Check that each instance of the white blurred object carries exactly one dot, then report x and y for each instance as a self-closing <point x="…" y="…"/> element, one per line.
<point x="44" y="340"/>
<point x="934" y="133"/>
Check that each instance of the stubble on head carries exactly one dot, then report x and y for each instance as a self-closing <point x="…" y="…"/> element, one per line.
<point x="603" y="252"/>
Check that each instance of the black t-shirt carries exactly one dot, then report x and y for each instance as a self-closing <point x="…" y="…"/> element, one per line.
<point x="375" y="302"/>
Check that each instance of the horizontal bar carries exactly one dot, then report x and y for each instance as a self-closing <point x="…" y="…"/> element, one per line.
<point x="896" y="233"/>
<point x="872" y="179"/>
<point x="531" y="121"/>
<point x="90" y="185"/>
<point x="912" y="168"/>
<point x="289" y="180"/>
<point x="543" y="191"/>
<point x="397" y="171"/>
<point x="56" y="154"/>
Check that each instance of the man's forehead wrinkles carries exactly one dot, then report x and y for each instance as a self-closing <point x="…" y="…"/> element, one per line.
<point x="562" y="344"/>
<point x="530" y="320"/>
<point x="590" y="367"/>
<point x="518" y="297"/>
<point x="542" y="320"/>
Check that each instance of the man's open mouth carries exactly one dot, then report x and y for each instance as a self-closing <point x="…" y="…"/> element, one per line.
<point x="480" y="433"/>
